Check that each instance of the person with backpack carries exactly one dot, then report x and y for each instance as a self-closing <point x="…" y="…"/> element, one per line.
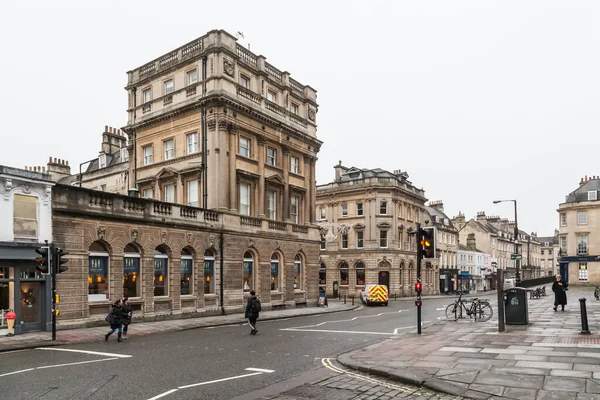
<point x="252" y="311"/>
<point x="115" y="318"/>
<point x="127" y="315"/>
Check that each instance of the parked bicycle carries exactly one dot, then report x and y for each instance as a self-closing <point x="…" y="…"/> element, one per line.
<point x="479" y="309"/>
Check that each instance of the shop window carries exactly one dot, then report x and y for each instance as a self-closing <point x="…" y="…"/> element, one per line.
<point x="132" y="282"/>
<point x="186" y="272"/>
<point x="248" y="266"/>
<point x="274" y="272"/>
<point x="323" y="275"/>
<point x="98" y="273"/>
<point x="344" y="274"/>
<point x="209" y="272"/>
<point x="161" y="272"/>
<point x="360" y="274"/>
<point x="298" y="272"/>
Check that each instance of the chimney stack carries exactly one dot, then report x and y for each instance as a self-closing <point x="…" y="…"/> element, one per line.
<point x="339" y="171"/>
<point x="113" y="140"/>
<point x="481" y="216"/>
<point x="58" y="169"/>
<point x="437" y="205"/>
<point x="471" y="242"/>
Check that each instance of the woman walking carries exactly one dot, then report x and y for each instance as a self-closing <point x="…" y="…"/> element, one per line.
<point x="127" y="313"/>
<point x="116" y="320"/>
<point x="559" y="287"/>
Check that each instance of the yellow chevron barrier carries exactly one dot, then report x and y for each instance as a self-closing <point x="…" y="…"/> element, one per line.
<point x="378" y="293"/>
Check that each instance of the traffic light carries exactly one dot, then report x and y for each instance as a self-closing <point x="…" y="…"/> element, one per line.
<point x="60" y="253"/>
<point x="418" y="287"/>
<point x="427" y="236"/>
<point x="43" y="260"/>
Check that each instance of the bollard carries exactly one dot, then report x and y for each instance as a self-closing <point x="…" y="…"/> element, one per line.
<point x="394" y="295"/>
<point x="344" y="299"/>
<point x="352" y="300"/>
<point x="585" y="329"/>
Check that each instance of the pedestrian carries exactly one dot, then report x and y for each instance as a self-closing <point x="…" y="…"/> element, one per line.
<point x="115" y="319"/>
<point x="597" y="293"/>
<point x="560" y="287"/>
<point x="127" y="315"/>
<point x="252" y="311"/>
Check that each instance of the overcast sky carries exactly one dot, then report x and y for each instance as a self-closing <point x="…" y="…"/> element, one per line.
<point x="476" y="100"/>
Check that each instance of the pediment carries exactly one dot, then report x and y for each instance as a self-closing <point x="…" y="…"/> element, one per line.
<point x="384" y="225"/>
<point x="166" y="173"/>
<point x="275" y="178"/>
<point x="359" y="227"/>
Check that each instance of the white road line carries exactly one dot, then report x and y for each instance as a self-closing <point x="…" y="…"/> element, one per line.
<point x="266" y="371"/>
<point x="17" y="372"/>
<point x="440" y="309"/>
<point x="164" y="394"/>
<point x="329" y="331"/>
<point x="97" y="353"/>
<point x="351" y="319"/>
<point x="219" y="380"/>
<point x="76" y="363"/>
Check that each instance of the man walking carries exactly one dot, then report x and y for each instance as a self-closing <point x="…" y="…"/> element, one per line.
<point x="252" y="311"/>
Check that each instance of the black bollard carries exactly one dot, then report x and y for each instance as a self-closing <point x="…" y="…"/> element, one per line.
<point x="585" y="329"/>
<point x="352" y="300"/>
<point x="344" y="299"/>
<point x="394" y="295"/>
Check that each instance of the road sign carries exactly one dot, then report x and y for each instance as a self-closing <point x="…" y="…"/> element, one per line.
<point x="516" y="257"/>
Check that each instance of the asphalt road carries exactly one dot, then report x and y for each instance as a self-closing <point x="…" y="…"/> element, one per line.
<point x="218" y="363"/>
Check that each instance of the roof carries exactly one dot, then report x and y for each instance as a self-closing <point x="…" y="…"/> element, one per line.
<point x="111" y="159"/>
<point x="550" y="239"/>
<point x="581" y="193"/>
<point x="465" y="248"/>
<point x="438" y="215"/>
<point x="23" y="173"/>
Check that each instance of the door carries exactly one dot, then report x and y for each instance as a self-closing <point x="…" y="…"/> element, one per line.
<point x="384" y="279"/>
<point x="564" y="272"/>
<point x="32" y="306"/>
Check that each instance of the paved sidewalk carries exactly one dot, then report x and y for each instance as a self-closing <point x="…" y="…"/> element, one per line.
<point x="87" y="335"/>
<point x="547" y="359"/>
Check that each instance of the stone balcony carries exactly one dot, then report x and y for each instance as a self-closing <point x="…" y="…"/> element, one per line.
<point x="75" y="200"/>
<point x="369" y="182"/>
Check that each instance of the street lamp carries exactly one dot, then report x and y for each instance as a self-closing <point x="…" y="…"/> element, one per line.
<point x="517" y="261"/>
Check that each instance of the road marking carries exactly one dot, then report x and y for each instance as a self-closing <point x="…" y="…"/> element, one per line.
<point x="164" y="394"/>
<point x="75" y="363"/>
<point x="409" y="327"/>
<point x="329" y="365"/>
<point x="440" y="309"/>
<point x="352" y="319"/>
<point x="97" y="353"/>
<point x="17" y="372"/>
<point x="266" y="371"/>
<point x="330" y="331"/>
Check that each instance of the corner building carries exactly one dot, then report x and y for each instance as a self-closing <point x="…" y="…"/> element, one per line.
<point x="167" y="251"/>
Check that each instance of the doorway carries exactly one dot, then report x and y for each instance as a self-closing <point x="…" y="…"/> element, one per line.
<point x="32" y="305"/>
<point x="384" y="279"/>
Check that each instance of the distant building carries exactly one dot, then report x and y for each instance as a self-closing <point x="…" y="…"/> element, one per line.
<point x="549" y="254"/>
<point x="446" y="246"/>
<point x="579" y="233"/>
<point x="474" y="267"/>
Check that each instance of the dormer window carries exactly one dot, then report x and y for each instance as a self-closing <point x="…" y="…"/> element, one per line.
<point x="592" y="195"/>
<point x="102" y="161"/>
<point x="124" y="155"/>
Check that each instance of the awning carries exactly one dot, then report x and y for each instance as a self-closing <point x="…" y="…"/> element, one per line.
<point x="18" y="253"/>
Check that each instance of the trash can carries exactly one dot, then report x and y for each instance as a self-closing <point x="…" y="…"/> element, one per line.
<point x="515" y="306"/>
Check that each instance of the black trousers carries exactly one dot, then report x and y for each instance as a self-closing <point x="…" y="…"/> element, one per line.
<point x="252" y="322"/>
<point x="125" y="326"/>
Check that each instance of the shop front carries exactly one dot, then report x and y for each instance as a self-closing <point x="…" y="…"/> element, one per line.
<point x="448" y="280"/>
<point x="23" y="289"/>
<point x="465" y="282"/>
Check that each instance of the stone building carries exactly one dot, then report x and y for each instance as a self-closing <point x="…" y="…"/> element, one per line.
<point x="256" y="187"/>
<point x="366" y="218"/>
<point x="579" y="233"/>
<point x="446" y="246"/>
<point x="549" y="246"/>
<point x="474" y="267"/>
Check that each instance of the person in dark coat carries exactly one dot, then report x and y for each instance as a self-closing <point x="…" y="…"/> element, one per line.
<point x="116" y="320"/>
<point x="252" y="311"/>
<point x="559" y="287"/>
<point x="127" y="315"/>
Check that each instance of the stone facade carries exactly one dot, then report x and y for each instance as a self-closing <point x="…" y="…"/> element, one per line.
<point x="111" y="228"/>
<point x="579" y="233"/>
<point x="549" y="254"/>
<point x="446" y="246"/>
<point x="366" y="217"/>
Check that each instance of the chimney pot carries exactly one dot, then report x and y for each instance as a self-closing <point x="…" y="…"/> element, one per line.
<point x="49" y="159"/>
<point x="67" y="163"/>
<point x="105" y="128"/>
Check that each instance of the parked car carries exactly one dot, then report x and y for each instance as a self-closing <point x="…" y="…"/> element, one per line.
<point x="374" y="294"/>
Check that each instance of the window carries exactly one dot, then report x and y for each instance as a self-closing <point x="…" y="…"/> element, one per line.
<point x="245" y="81"/>
<point x="244" y="147"/>
<point x="209" y="272"/>
<point x="192" y="76"/>
<point x="186" y="272"/>
<point x="132" y="282"/>
<point x="298" y="272"/>
<point x="244" y="199"/>
<point x="550" y="251"/>
<point x="271" y="96"/>
<point x="542" y="252"/>
<point x="294" y="163"/>
<point x="271" y="156"/>
<point x="417" y="216"/>
<point x="295" y="109"/>
<point x="192" y="143"/>
<point x="583" y="272"/>
<point x="169" y="86"/>
<point x="323" y="275"/>
<point x="408" y="212"/>
<point x="542" y="264"/>
<point x="563" y="245"/>
<point x="344" y="241"/>
<point x="25" y="216"/>
<point x="344" y="274"/>
<point x="248" y="265"/>
<point x="344" y="209"/>
<point x="102" y="161"/>
<point x="383" y="208"/>
<point x="383" y="239"/>
<point x="161" y="276"/>
<point x="400" y="210"/>
<point x="98" y="277"/>
<point x="359" y="209"/>
<point x="148" y="194"/>
<point x="582" y="245"/>
<point x="274" y="272"/>
<point x="192" y="193"/>
<point x="563" y="219"/>
<point x="124" y="154"/>
<point x="272" y="204"/>
<point x="581" y="218"/>
<point x="294" y="201"/>
<point x="323" y="213"/>
<point x="169" y="149"/>
<point x="148" y="156"/>
<point x="169" y="193"/>
<point x="592" y="195"/>
<point x="359" y="239"/>
<point x="147" y="95"/>
<point x="360" y="274"/>
<point x="323" y="243"/>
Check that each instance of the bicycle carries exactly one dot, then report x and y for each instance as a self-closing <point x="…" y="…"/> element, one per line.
<point x="481" y="310"/>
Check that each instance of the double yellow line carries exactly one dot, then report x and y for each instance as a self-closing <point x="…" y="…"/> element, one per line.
<point x="329" y="365"/>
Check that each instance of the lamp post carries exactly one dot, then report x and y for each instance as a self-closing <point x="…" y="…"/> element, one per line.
<point x="517" y="261"/>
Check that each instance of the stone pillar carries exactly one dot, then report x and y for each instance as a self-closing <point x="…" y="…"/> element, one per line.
<point x="148" y="284"/>
<point x="175" y="284"/>
<point x="286" y="180"/>
<point x="313" y="190"/>
<point x="262" y="140"/>
<point x="308" y="196"/>
<point x="116" y="275"/>
<point x="232" y="170"/>
<point x="180" y="197"/>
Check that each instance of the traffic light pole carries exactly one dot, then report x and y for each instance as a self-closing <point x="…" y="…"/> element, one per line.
<point x="419" y="257"/>
<point x="53" y="268"/>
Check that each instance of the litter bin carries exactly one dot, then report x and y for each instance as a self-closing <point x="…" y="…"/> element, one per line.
<point x="515" y="306"/>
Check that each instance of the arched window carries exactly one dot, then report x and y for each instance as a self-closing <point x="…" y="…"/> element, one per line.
<point x="274" y="272"/>
<point x="343" y="274"/>
<point x="186" y="272"/>
<point x="132" y="281"/>
<point x="323" y="275"/>
<point x="161" y="272"/>
<point x="298" y="273"/>
<point x="209" y="272"/>
<point x="360" y="274"/>
<point x="248" y="267"/>
<point x="98" y="273"/>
